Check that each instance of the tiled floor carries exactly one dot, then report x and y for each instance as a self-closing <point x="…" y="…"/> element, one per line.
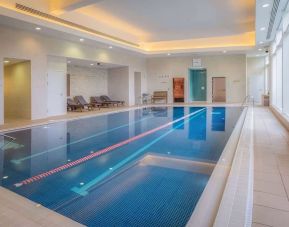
<point x="271" y="171"/>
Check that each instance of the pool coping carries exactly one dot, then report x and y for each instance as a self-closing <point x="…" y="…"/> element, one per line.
<point x="95" y="114"/>
<point x="28" y="209"/>
<point x="228" y="196"/>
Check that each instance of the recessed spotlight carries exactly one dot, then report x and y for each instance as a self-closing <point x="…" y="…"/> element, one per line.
<point x="260" y="49"/>
<point x="265" y="5"/>
<point x="262" y="29"/>
<point x="91" y="64"/>
<point x="68" y="160"/>
<point x="5" y="177"/>
<point x="81" y="40"/>
<point x="110" y="47"/>
<point x="169" y="54"/>
<point x="261" y="42"/>
<point x="224" y="51"/>
<point x="110" y="168"/>
<point x="68" y="62"/>
<point x="6" y="61"/>
<point x="81" y="183"/>
<point x="38" y="28"/>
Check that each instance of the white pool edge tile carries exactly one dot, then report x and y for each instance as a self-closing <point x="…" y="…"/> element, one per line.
<point x="208" y="206"/>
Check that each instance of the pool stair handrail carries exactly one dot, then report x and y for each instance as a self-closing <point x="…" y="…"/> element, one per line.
<point x="11" y="139"/>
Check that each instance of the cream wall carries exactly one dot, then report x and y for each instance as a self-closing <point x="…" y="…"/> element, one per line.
<point x="36" y="47"/>
<point x="256" y="77"/>
<point x="17" y="90"/>
<point x="160" y="72"/>
<point x="87" y="81"/>
<point x="118" y="83"/>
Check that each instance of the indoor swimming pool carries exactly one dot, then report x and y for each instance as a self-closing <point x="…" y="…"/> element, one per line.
<point x="143" y="167"/>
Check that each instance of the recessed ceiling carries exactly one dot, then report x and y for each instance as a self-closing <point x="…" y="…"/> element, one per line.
<point x="159" y="25"/>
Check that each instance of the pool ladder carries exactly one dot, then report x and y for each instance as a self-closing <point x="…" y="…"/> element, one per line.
<point x="10" y="138"/>
<point x="248" y="99"/>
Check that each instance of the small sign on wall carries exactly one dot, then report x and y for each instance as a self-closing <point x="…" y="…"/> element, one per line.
<point x="197" y="62"/>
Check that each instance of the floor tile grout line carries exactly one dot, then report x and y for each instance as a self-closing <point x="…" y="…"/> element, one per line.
<point x="262" y="224"/>
<point x="262" y="205"/>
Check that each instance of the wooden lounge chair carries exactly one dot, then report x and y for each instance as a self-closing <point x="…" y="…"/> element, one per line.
<point x="81" y="101"/>
<point x="107" y="99"/>
<point x="98" y="101"/>
<point x="72" y="105"/>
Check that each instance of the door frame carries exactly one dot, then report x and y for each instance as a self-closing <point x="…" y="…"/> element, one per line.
<point x="213" y="87"/>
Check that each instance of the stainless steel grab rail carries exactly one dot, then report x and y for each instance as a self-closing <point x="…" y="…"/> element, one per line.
<point x="11" y="139"/>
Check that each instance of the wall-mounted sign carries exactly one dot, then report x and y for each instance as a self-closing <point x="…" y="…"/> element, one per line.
<point x="197" y="62"/>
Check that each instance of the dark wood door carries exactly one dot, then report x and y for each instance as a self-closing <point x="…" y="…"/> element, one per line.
<point x="178" y="89"/>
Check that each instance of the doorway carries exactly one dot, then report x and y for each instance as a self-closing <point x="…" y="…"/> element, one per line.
<point x="219" y="89"/>
<point x="17" y="90"/>
<point x="198" y="84"/>
<point x="137" y="88"/>
<point x="178" y="89"/>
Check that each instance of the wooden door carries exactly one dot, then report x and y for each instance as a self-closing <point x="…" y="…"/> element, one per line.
<point x="178" y="89"/>
<point x="219" y="89"/>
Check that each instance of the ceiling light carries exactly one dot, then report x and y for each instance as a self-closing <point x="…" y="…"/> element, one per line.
<point x="81" y="40"/>
<point x="258" y="55"/>
<point x="81" y="183"/>
<point x="110" y="47"/>
<point x="169" y="54"/>
<point x="68" y="62"/>
<point x="5" y="177"/>
<point x="6" y="61"/>
<point x="224" y="51"/>
<point x="262" y="29"/>
<point x="261" y="42"/>
<point x="265" y="5"/>
<point x="91" y="64"/>
<point x="38" y="28"/>
<point x="260" y="49"/>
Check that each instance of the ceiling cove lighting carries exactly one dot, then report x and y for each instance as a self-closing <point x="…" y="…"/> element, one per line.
<point x="262" y="29"/>
<point x="55" y="19"/>
<point x="265" y="5"/>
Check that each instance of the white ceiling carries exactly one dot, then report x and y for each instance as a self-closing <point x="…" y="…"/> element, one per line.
<point x="154" y="20"/>
<point x="182" y="19"/>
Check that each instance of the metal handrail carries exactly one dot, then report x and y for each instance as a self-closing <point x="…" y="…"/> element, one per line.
<point x="246" y="100"/>
<point x="9" y="137"/>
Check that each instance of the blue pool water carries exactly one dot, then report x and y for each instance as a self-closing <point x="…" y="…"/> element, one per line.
<point x="146" y="177"/>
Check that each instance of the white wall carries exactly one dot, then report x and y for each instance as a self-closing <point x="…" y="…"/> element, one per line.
<point x="256" y="77"/>
<point x="56" y="86"/>
<point x="87" y="81"/>
<point x="161" y="71"/>
<point x="36" y="47"/>
<point x="118" y="82"/>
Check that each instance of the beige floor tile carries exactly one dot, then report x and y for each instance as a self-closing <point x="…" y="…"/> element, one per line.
<point x="271" y="217"/>
<point x="268" y="187"/>
<point x="271" y="177"/>
<point x="259" y="225"/>
<point x="269" y="200"/>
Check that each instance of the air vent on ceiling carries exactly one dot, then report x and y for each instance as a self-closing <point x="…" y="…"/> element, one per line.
<point x="272" y="17"/>
<point x="71" y="24"/>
